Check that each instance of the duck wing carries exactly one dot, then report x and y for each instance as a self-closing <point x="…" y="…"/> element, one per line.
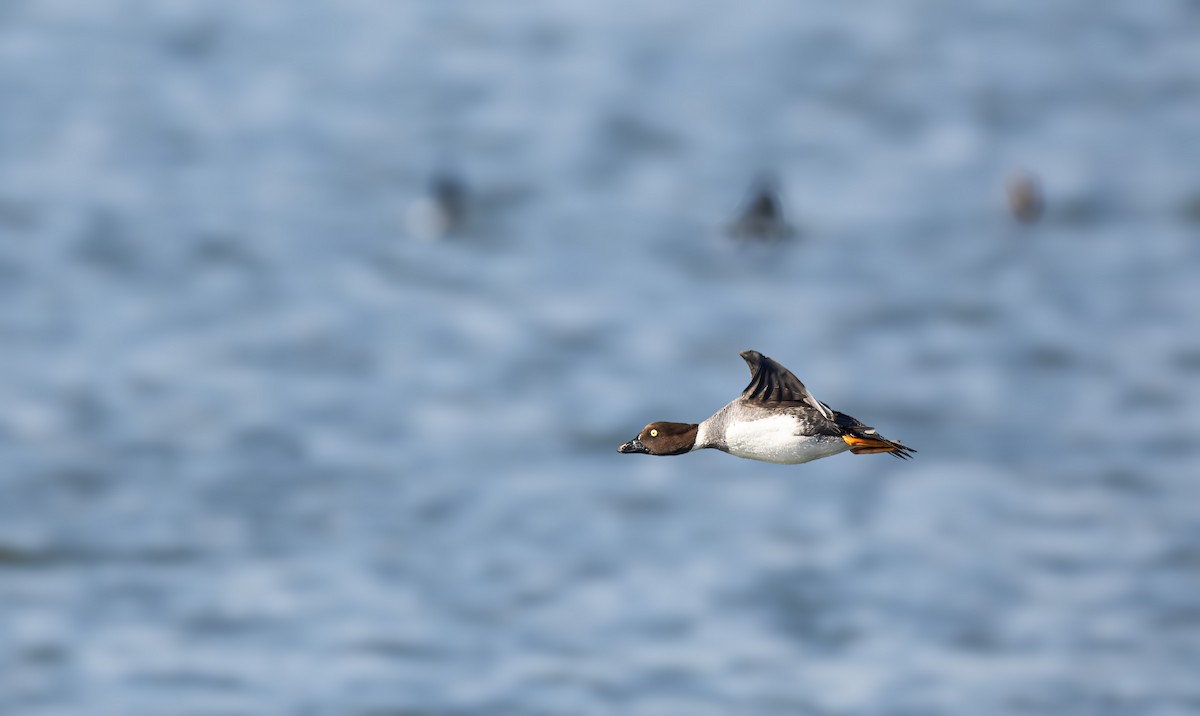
<point x="772" y="385"/>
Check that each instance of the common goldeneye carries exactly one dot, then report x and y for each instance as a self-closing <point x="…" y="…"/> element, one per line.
<point x="442" y="211"/>
<point x="1025" y="197"/>
<point x="775" y="419"/>
<point x="762" y="216"/>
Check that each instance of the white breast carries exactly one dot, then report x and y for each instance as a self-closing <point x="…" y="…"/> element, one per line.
<point x="774" y="439"/>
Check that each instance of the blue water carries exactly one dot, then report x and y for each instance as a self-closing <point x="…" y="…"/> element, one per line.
<point x="264" y="449"/>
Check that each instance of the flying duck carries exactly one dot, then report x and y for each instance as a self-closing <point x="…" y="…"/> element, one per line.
<point x="775" y="419"/>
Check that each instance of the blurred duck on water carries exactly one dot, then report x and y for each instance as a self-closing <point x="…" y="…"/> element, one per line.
<point x="762" y="218"/>
<point x="441" y="211"/>
<point x="1025" y="197"/>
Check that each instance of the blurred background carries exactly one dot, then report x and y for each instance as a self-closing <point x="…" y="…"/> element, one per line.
<point x="320" y="324"/>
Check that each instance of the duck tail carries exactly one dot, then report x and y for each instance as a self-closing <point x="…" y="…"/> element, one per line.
<point x="867" y="446"/>
<point x="864" y="440"/>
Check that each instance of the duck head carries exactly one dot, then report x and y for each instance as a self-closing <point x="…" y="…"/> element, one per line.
<point x="663" y="438"/>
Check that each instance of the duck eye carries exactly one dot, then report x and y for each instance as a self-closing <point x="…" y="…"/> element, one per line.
<point x="654" y="432"/>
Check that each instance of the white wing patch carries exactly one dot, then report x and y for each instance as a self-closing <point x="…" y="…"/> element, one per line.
<point x="823" y="408"/>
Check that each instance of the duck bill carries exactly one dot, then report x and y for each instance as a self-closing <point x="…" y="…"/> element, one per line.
<point x="634" y="445"/>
